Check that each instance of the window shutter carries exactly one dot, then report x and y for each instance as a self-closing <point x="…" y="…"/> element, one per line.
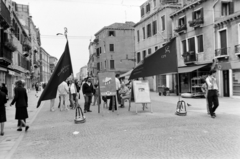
<point x="231" y="7"/>
<point x="185" y="20"/>
<point x="202" y="14"/>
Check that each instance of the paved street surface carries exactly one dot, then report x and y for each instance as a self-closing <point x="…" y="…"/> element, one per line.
<point x="109" y="135"/>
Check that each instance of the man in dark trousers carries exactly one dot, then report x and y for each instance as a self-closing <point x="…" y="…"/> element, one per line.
<point x="87" y="90"/>
<point x="212" y="95"/>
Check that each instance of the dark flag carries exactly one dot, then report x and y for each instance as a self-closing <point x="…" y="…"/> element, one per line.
<point x="163" y="61"/>
<point x="62" y="71"/>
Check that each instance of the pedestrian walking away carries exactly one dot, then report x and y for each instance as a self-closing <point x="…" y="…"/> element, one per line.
<point x="21" y="102"/>
<point x="212" y="93"/>
<point x="87" y="90"/>
<point x="3" y="119"/>
<point x="63" y="91"/>
<point x="37" y="89"/>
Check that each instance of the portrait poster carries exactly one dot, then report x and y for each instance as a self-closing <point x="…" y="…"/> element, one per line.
<point x="107" y="83"/>
<point x="141" y="92"/>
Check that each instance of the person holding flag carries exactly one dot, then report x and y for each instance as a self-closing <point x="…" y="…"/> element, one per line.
<point x="62" y="71"/>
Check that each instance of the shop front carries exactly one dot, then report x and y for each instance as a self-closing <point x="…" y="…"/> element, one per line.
<point x="229" y="78"/>
<point x="191" y="78"/>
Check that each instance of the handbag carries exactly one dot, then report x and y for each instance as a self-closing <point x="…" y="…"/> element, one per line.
<point x="79" y="116"/>
<point x="181" y="108"/>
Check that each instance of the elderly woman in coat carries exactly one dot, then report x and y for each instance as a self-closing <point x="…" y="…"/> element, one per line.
<point x="21" y="102"/>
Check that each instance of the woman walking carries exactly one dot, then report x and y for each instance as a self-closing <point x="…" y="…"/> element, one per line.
<point x="3" y="101"/>
<point x="21" y="102"/>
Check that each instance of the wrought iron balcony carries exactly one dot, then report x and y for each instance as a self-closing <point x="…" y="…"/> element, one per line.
<point x="5" y="56"/>
<point x="237" y="49"/>
<point x="5" y="19"/>
<point x="181" y="29"/>
<point x="196" y="22"/>
<point x="190" y="57"/>
<point x="223" y="52"/>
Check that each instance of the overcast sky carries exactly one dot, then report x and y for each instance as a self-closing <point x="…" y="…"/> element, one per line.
<point x="83" y="18"/>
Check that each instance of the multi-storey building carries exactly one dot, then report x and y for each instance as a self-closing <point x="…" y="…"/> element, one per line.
<point x="53" y="62"/>
<point x="206" y="31"/>
<point x="44" y="66"/>
<point x="112" y="49"/>
<point x="6" y="46"/>
<point x="83" y="72"/>
<point x="152" y="32"/>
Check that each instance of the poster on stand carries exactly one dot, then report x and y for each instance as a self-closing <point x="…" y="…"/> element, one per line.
<point x="141" y="92"/>
<point x="107" y="83"/>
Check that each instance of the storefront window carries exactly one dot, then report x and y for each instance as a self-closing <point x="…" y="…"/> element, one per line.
<point x="236" y="82"/>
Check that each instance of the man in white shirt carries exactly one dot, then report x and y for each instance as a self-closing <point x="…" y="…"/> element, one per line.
<point x="212" y="94"/>
<point x="73" y="92"/>
<point x="118" y="100"/>
<point x="63" y="91"/>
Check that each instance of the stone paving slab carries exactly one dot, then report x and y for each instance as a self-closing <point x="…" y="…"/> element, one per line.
<point x="11" y="138"/>
<point x="145" y="135"/>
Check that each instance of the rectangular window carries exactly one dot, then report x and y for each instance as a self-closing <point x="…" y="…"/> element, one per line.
<point x="182" y="21"/>
<point x="98" y="52"/>
<point x="227" y="8"/>
<point x="154" y="3"/>
<point x="200" y="43"/>
<point x="163" y="22"/>
<point x="138" y="57"/>
<point x="154" y="27"/>
<point x="111" y="33"/>
<point x="138" y="36"/>
<point x="98" y="66"/>
<point x="142" y="11"/>
<point x="149" y="51"/>
<point x="105" y="63"/>
<point x="191" y="44"/>
<point x="184" y="46"/>
<point x="149" y="30"/>
<point x="148" y="8"/>
<point x="111" y="47"/>
<point x="144" y="54"/>
<point x="112" y="67"/>
<point x="143" y="29"/>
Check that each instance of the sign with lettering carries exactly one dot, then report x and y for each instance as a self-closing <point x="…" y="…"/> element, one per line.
<point x="141" y="92"/>
<point x="107" y="83"/>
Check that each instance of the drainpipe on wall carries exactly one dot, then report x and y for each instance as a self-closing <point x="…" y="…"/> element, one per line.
<point x="214" y="44"/>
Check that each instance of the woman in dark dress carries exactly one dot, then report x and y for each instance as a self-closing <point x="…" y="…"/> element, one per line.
<point x="21" y="102"/>
<point x="3" y="101"/>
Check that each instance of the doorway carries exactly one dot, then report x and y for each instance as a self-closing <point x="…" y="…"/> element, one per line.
<point x="226" y="83"/>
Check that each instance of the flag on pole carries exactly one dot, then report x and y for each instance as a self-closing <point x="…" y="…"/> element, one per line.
<point x="62" y="71"/>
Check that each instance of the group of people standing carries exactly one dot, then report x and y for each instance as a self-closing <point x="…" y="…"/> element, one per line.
<point x="21" y="103"/>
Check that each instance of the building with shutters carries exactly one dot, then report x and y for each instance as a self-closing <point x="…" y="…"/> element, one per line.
<point x="206" y="31"/>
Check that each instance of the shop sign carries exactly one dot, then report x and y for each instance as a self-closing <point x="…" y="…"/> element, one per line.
<point x="224" y="66"/>
<point x="11" y="73"/>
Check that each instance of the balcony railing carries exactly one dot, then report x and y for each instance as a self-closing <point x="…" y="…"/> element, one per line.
<point x="5" y="19"/>
<point x="181" y="29"/>
<point x="196" y="22"/>
<point x="190" y="57"/>
<point x="237" y="49"/>
<point x="6" y="55"/>
<point x="223" y="52"/>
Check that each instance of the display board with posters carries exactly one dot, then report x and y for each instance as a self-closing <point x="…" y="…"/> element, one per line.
<point x="107" y="83"/>
<point x="141" y="92"/>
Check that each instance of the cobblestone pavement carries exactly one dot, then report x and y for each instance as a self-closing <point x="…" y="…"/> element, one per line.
<point x="11" y="139"/>
<point x="125" y="134"/>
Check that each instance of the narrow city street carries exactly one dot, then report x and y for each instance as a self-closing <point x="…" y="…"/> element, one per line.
<point x="125" y="134"/>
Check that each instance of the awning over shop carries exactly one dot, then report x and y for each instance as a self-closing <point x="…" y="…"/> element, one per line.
<point x="127" y="73"/>
<point x="189" y="69"/>
<point x="3" y="69"/>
